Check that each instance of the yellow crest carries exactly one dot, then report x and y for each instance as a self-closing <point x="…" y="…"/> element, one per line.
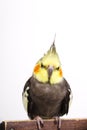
<point x="41" y="68"/>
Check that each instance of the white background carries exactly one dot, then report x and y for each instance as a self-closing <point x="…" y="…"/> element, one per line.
<point x="27" y="30"/>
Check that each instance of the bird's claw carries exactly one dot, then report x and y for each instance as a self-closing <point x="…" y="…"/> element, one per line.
<point x="57" y="121"/>
<point x="39" y="122"/>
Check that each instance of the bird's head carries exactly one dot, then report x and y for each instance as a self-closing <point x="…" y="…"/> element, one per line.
<point x="48" y="68"/>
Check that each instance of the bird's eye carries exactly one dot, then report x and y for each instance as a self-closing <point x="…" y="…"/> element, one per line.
<point x="57" y="68"/>
<point x="42" y="66"/>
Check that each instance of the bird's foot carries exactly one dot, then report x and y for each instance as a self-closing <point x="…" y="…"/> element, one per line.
<point x="57" y="121"/>
<point x="39" y="122"/>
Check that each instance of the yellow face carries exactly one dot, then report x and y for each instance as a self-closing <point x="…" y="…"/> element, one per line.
<point x="48" y="68"/>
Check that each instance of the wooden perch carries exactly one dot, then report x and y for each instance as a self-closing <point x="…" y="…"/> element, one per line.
<point x="67" y="124"/>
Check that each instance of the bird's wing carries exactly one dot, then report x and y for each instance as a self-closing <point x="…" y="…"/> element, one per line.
<point x="27" y="101"/>
<point x="66" y="100"/>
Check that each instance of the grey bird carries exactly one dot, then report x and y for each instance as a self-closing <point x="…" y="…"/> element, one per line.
<point x="46" y="93"/>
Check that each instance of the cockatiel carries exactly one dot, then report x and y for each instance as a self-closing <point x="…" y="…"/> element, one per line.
<point x="46" y="94"/>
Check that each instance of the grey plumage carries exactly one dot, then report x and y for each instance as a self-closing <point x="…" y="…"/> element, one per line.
<point x="46" y="100"/>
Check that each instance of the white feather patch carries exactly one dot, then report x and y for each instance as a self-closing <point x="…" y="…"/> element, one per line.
<point x="71" y="97"/>
<point x="24" y="98"/>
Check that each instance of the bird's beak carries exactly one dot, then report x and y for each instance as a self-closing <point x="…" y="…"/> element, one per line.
<point x="50" y="70"/>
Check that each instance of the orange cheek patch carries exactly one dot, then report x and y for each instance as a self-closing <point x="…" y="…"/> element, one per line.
<point x="36" y="69"/>
<point x="60" y="73"/>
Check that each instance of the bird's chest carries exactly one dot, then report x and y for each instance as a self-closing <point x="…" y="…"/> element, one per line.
<point x="46" y="94"/>
<point x="47" y="98"/>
